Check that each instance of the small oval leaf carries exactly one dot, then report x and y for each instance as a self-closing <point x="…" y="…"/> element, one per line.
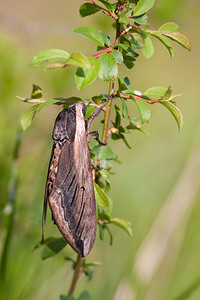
<point x="106" y="153"/>
<point x="52" y="247"/>
<point x="144" y="111"/>
<point x="180" y="39"/>
<point x="109" y="68"/>
<point x="70" y="297"/>
<point x="48" y="102"/>
<point x="84" y="77"/>
<point x="100" y="196"/>
<point x="79" y="59"/>
<point x="123" y="223"/>
<point x="49" y="55"/>
<point x="156" y="92"/>
<point x="124" y="109"/>
<point x="142" y="6"/>
<point x="28" y="116"/>
<point x="164" y="40"/>
<point x="91" y="33"/>
<point x="118" y="56"/>
<point x="87" y="9"/>
<point x="148" y="48"/>
<point x="85" y="295"/>
<point x="175" y="112"/>
<point x="169" y="27"/>
<point x="107" y="5"/>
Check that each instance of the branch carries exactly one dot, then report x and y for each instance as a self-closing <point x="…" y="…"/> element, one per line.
<point x="76" y="275"/>
<point x="107" y="114"/>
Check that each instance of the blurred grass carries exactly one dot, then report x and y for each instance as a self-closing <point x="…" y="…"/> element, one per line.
<point x="141" y="185"/>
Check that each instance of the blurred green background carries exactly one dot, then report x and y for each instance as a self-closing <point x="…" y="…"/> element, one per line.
<point x="156" y="186"/>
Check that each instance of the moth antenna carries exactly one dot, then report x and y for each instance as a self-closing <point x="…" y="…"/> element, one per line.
<point x="97" y="112"/>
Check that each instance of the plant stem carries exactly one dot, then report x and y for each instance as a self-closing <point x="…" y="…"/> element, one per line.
<point x="10" y="206"/>
<point x="76" y="275"/>
<point x="107" y="114"/>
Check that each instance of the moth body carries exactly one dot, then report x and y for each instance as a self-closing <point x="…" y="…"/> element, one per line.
<point x="69" y="187"/>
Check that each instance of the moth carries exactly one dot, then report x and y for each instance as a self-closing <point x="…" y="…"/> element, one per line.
<point x="69" y="187"/>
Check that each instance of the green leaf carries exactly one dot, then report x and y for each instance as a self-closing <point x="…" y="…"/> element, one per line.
<point x="127" y="81"/>
<point x="79" y="59"/>
<point x="84" y="77"/>
<point x="110" y="235"/>
<point x="98" y="98"/>
<point x="123" y="19"/>
<point x="123" y="46"/>
<point x="48" y="102"/>
<point x="122" y="86"/>
<point x="148" y="48"/>
<point x="175" y="112"/>
<point x="180" y="39"/>
<point x="89" y="110"/>
<point x="106" y="38"/>
<point x="109" y="68"/>
<point x="124" y="224"/>
<point x="101" y="232"/>
<point x="28" y="116"/>
<point x="135" y="125"/>
<point x="105" y="174"/>
<point x="91" y="33"/>
<point x="142" y="6"/>
<point x="101" y="198"/>
<point x="87" y="9"/>
<point x="49" y="55"/>
<point x="107" y="4"/>
<point x="168" y="93"/>
<point x="125" y="141"/>
<point x="144" y="111"/>
<point x="118" y="116"/>
<point x="141" y="20"/>
<point x="128" y="61"/>
<point x="52" y="247"/>
<point x="124" y="109"/>
<point x="106" y="153"/>
<point x="169" y="27"/>
<point x="118" y="56"/>
<point x="156" y="92"/>
<point x="164" y="40"/>
<point x="124" y="129"/>
<point x="85" y="295"/>
<point x="36" y="92"/>
<point x="63" y="297"/>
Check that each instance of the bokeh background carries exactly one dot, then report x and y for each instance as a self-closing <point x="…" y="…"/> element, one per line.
<point x="156" y="186"/>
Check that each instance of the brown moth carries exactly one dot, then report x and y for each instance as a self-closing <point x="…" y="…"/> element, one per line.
<point x="69" y="186"/>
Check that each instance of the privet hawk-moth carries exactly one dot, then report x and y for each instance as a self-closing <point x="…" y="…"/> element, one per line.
<point x="69" y="186"/>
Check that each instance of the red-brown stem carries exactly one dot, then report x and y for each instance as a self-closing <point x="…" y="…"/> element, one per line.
<point x="141" y="98"/>
<point x="102" y="52"/>
<point x="104" y="10"/>
<point x="76" y="275"/>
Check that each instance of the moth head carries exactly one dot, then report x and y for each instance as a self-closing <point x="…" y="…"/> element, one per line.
<point x="81" y="108"/>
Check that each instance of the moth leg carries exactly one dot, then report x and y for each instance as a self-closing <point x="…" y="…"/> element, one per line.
<point x="96" y="135"/>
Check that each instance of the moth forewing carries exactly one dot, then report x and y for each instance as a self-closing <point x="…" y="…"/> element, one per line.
<point x="69" y="187"/>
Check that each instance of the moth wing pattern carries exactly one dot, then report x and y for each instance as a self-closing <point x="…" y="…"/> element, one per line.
<point x="69" y="187"/>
